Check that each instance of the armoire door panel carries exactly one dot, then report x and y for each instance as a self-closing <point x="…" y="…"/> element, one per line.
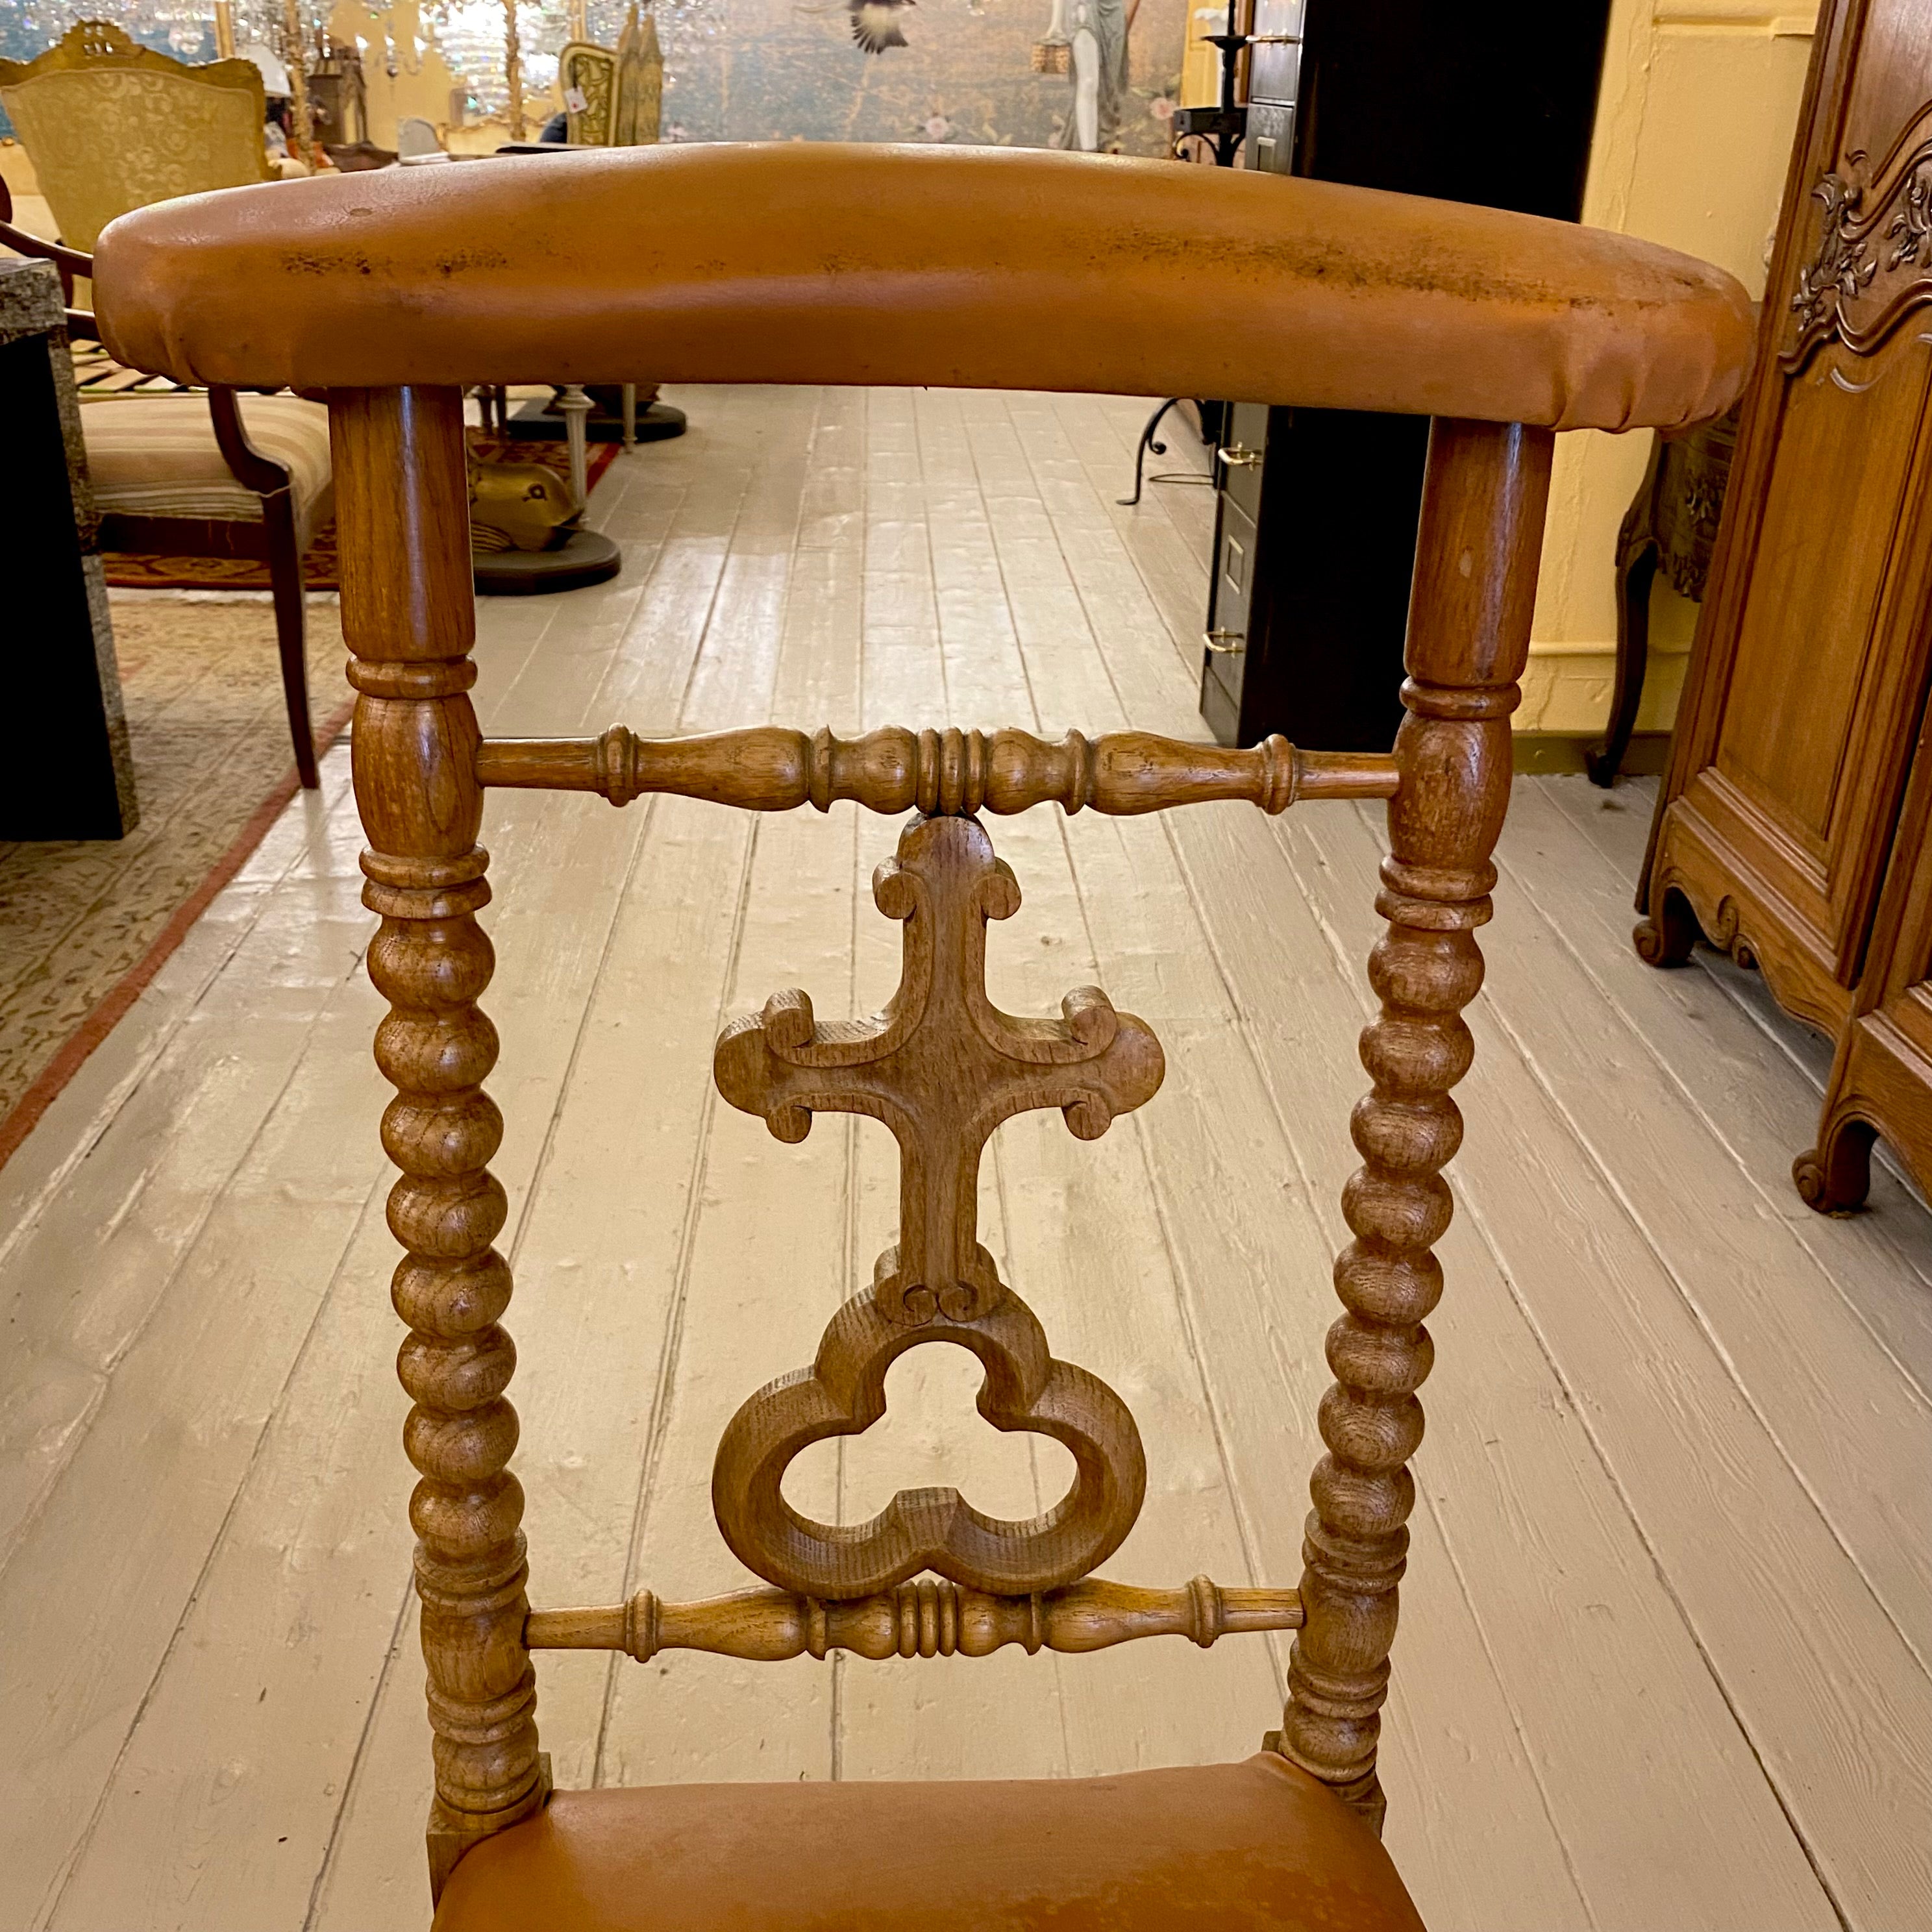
<point x="1749" y="895"/>
<point x="1882" y="1076"/>
<point x="1836" y="573"/>
<point x="1902" y="975"/>
<point x="1910" y="1012"/>
<point x="1813" y="643"/>
<point x="1738" y="820"/>
<point x="1894" y="56"/>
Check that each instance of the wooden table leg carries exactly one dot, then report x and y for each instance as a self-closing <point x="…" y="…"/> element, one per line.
<point x="1469" y="638"/>
<point x="1637" y="555"/>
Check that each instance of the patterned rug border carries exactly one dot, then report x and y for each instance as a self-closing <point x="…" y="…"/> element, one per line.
<point x="114" y="1005"/>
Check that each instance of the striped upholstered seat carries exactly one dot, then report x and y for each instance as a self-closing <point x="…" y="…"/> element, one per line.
<point x="156" y="456"/>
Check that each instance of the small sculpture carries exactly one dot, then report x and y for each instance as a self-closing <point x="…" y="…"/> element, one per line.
<point x="1095" y="33"/>
<point x="524" y="506"/>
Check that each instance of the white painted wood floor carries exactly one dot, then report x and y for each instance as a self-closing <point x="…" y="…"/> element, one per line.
<point x="1663" y="1656"/>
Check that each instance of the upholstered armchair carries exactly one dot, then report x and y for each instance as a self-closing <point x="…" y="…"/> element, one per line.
<point x="194" y="474"/>
<point x="112" y="126"/>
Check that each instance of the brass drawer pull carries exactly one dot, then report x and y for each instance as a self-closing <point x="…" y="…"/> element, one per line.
<point x="1226" y="644"/>
<point x="1238" y="456"/>
<point x="1274" y="40"/>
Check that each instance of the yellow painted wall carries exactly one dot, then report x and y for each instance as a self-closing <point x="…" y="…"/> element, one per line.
<point x="1694" y="128"/>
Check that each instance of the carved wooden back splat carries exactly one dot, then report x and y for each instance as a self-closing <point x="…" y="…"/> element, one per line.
<point x="421" y="767"/>
<point x="942" y="1067"/>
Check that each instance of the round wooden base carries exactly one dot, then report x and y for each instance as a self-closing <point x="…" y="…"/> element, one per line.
<point x="589" y="557"/>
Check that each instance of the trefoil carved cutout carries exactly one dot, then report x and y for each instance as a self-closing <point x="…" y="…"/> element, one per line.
<point x="943" y="1068"/>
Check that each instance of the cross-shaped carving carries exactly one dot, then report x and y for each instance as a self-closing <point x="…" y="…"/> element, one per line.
<point x="942" y="1066"/>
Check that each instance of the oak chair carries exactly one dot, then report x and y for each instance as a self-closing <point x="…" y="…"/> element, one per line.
<point x="991" y="268"/>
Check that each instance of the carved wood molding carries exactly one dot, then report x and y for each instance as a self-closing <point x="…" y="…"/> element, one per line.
<point x="927" y="1618"/>
<point x="941" y="1067"/>
<point x="769" y="769"/>
<point x="1872" y="266"/>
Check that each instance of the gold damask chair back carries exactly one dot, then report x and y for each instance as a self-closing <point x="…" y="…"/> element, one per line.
<point x="112" y="126"/>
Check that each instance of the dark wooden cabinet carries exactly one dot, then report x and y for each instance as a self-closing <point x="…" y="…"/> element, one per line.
<point x="1314" y="539"/>
<point x="1793" y="826"/>
<point x="70" y="774"/>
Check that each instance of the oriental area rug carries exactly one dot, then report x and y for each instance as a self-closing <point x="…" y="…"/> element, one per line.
<point x="84" y="925"/>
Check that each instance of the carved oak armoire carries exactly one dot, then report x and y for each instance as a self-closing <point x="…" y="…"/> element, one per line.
<point x="1792" y="826"/>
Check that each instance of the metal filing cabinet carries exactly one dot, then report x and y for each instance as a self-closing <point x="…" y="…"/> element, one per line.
<point x="1274" y="69"/>
<point x="1316" y="510"/>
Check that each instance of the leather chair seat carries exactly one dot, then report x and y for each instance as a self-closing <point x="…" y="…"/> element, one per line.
<point x="1219" y="1848"/>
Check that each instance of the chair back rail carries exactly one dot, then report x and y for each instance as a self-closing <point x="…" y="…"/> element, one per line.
<point x="826" y="264"/>
<point x="928" y="1618"/>
<point x="979" y="268"/>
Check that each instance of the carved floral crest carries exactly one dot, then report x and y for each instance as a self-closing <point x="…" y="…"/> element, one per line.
<point x="1860" y="282"/>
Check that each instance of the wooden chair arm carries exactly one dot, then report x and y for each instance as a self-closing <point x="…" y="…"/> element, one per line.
<point x="251" y="468"/>
<point x="71" y="261"/>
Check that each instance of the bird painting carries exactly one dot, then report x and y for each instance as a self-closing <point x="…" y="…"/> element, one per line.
<point x="875" y="23"/>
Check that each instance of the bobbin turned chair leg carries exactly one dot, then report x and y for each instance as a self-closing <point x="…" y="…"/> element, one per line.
<point x="1469" y="638"/>
<point x="407" y="615"/>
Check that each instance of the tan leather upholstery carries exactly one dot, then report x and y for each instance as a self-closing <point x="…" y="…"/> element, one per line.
<point x="156" y="456"/>
<point x="1222" y="1848"/>
<point x="984" y="267"/>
